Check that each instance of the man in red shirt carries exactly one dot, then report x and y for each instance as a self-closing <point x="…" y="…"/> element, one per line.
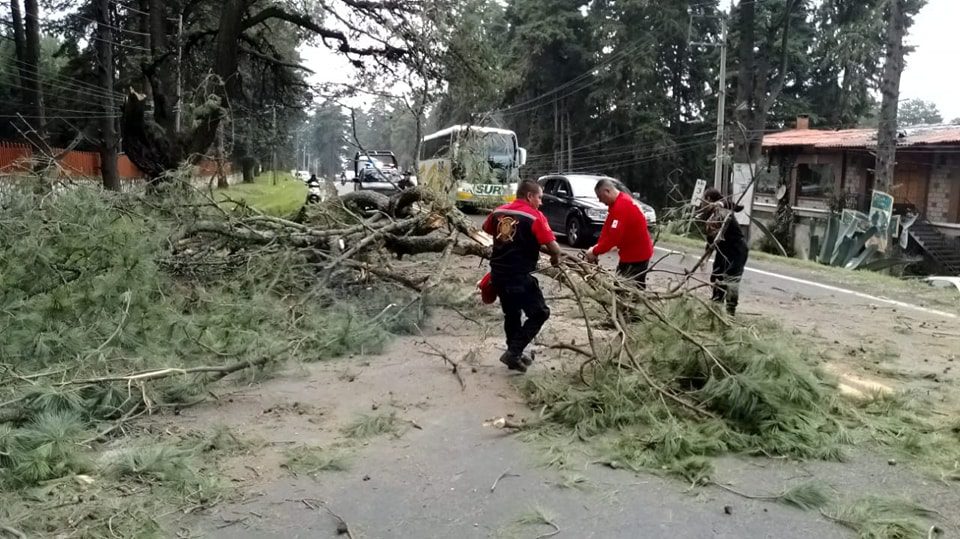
<point x="519" y="230"/>
<point x="625" y="229"/>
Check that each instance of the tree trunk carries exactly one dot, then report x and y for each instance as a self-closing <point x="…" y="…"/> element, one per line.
<point x="108" y="146"/>
<point x="161" y="71"/>
<point x="248" y="166"/>
<point x="743" y="112"/>
<point x="19" y="40"/>
<point x="34" y="89"/>
<point x="890" y="89"/>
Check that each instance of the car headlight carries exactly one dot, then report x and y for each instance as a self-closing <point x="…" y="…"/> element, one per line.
<point x="596" y="214"/>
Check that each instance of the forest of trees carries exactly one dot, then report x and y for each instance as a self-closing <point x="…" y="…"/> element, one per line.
<point x="626" y="87"/>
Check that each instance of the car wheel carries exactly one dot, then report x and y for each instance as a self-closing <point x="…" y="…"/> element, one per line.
<point x="576" y="234"/>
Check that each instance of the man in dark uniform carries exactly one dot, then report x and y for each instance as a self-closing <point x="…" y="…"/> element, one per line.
<point x="519" y="230"/>
<point x="730" y="257"/>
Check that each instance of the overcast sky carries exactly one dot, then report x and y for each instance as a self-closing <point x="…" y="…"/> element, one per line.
<point x="931" y="73"/>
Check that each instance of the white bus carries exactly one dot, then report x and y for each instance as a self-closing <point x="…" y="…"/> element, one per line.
<point x="475" y="166"/>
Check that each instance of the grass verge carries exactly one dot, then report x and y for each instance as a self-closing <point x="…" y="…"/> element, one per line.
<point x="284" y="198"/>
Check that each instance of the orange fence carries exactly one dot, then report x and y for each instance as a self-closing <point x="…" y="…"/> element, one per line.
<point x="15" y="158"/>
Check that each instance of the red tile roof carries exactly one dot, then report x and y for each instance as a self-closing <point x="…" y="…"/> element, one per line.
<point x="861" y="138"/>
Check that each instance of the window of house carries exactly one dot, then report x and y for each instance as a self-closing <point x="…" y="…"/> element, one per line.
<point x="768" y="179"/>
<point x="816" y="181"/>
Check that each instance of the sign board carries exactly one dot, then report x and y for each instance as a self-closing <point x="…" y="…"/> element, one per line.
<point x="849" y="216"/>
<point x="743" y="174"/>
<point x="881" y="213"/>
<point x="698" y="192"/>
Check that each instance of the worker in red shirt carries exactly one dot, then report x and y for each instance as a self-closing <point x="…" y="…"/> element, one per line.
<point x="626" y="229"/>
<point x="519" y="231"/>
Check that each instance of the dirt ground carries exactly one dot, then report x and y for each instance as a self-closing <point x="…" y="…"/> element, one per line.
<point x="435" y="476"/>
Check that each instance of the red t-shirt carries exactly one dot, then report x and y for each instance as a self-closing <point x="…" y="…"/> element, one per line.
<point x="625" y="229"/>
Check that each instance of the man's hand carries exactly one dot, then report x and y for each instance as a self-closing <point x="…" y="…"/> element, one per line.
<point x="553" y="249"/>
<point x="590" y="257"/>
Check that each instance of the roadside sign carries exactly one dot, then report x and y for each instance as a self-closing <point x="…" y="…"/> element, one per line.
<point x="698" y="192"/>
<point x="743" y="174"/>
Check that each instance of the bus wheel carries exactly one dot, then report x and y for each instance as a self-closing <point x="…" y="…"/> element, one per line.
<point x="575" y="232"/>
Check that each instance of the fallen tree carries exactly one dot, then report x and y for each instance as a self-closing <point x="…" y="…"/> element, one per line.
<point x="665" y="380"/>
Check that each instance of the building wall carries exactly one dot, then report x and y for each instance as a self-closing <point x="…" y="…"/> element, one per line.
<point x="943" y="200"/>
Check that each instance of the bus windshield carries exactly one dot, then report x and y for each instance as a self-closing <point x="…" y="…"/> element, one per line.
<point x="497" y="149"/>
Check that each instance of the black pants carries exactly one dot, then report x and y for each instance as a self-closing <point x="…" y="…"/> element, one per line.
<point x="521" y="296"/>
<point x="637" y="271"/>
<point x="728" y="264"/>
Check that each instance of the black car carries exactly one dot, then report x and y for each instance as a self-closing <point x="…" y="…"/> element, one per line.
<point x="572" y="207"/>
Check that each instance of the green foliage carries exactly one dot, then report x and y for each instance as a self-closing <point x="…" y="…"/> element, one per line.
<point x="47" y="448"/>
<point x="86" y="292"/>
<point x="876" y="517"/>
<point x="806" y="496"/>
<point x="313" y="460"/>
<point x="371" y="425"/>
<point x="918" y="112"/>
<point x="767" y="397"/>
<point x="770" y="401"/>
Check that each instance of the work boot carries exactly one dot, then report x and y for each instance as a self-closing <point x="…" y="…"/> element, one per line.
<point x="513" y="361"/>
<point x="527" y="359"/>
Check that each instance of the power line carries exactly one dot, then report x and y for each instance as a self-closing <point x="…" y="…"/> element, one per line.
<point x="94" y="21"/>
<point x="64" y="87"/>
<point x="63" y="79"/>
<point x="567" y="84"/>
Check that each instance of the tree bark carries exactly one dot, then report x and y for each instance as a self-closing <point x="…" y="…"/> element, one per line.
<point x="108" y="145"/>
<point x="755" y="96"/>
<point x="19" y="40"/>
<point x="34" y="89"/>
<point x="248" y="165"/>
<point x="890" y="89"/>
<point x="159" y="74"/>
<point x="743" y="112"/>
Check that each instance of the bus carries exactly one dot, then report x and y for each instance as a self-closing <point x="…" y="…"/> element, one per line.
<point x="477" y="167"/>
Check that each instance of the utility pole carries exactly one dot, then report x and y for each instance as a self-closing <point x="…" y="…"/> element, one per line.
<point x="273" y="156"/>
<point x="721" y="96"/>
<point x="108" y="145"/>
<point x="179" y="107"/>
<point x="721" y="107"/>
<point x="569" y="145"/>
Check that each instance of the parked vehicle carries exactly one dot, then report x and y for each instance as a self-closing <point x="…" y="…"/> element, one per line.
<point x="475" y="166"/>
<point x="572" y="207"/>
<point x="376" y="170"/>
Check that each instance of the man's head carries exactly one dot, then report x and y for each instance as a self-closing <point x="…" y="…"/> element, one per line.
<point x="607" y="192"/>
<point x="531" y="192"/>
<point x="712" y="194"/>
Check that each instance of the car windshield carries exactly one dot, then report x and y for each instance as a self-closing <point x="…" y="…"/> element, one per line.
<point x="583" y="187"/>
<point x="378" y="161"/>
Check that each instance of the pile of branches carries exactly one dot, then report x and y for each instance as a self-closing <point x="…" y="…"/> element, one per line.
<point x="357" y="234"/>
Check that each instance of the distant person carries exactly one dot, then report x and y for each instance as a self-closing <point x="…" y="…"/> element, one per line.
<point x="626" y="229"/>
<point x="313" y="180"/>
<point x="519" y="230"/>
<point x="405" y="182"/>
<point x="732" y="250"/>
